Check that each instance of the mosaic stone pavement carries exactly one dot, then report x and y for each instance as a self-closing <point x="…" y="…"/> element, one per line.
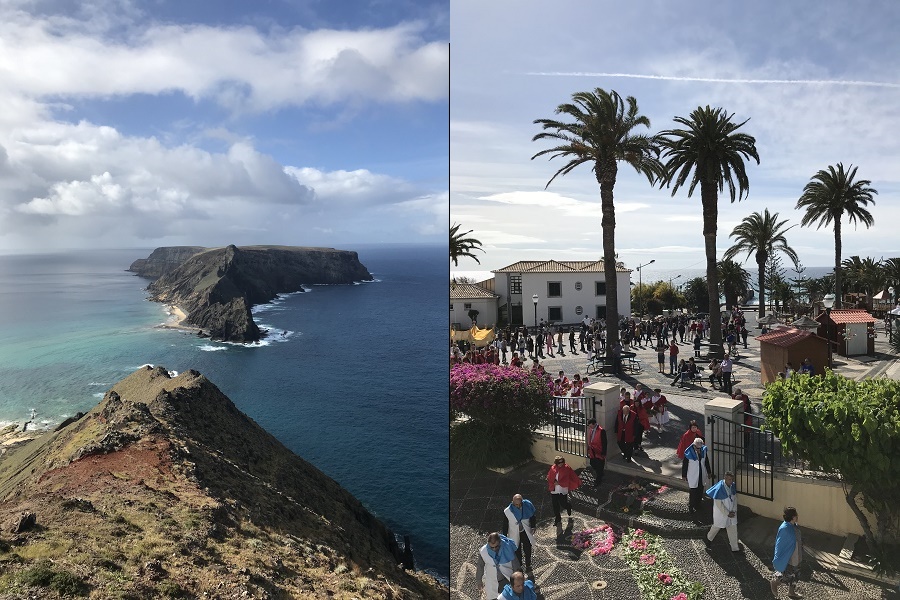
<point x="561" y="572"/>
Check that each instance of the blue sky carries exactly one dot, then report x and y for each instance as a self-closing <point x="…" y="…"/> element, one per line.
<point x="817" y="79"/>
<point x="139" y="124"/>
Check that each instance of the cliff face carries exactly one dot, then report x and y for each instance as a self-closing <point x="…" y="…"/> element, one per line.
<point x="163" y="260"/>
<point x="165" y="489"/>
<point x="216" y="288"/>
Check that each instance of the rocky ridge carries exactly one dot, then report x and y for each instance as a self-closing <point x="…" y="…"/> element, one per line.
<point x="165" y="489"/>
<point x="216" y="288"/>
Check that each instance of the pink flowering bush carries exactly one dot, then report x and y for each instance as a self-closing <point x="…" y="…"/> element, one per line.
<point x="654" y="570"/>
<point x="497" y="394"/>
<point x="504" y="405"/>
<point x="599" y="540"/>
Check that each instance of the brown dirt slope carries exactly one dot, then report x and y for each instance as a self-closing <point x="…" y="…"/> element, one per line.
<point x="166" y="490"/>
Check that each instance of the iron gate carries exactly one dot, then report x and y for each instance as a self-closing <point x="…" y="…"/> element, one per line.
<point x="746" y="451"/>
<point x="570" y="417"/>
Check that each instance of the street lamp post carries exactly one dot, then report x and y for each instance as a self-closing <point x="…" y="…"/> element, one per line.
<point x="828" y="302"/>
<point x="535" y="299"/>
<point x="671" y="279"/>
<point x="641" y="284"/>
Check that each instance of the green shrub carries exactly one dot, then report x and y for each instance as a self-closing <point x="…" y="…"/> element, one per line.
<point x="479" y="444"/>
<point x="43" y="574"/>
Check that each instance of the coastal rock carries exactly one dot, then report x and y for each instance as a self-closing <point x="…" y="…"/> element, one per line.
<point x="216" y="288"/>
<point x="176" y="490"/>
<point x="163" y="260"/>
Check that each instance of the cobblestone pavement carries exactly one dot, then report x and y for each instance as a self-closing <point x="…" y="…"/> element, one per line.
<point x="477" y="499"/>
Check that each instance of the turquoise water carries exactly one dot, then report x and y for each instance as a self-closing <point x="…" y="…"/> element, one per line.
<point x="349" y="378"/>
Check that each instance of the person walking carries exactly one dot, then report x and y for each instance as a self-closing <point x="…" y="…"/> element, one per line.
<point x="724" y="495"/>
<point x="687" y="438"/>
<point x="744" y="334"/>
<point x="788" y="554"/>
<point x="596" y="447"/>
<point x="695" y="470"/>
<point x="626" y="429"/>
<point x="661" y="357"/>
<point x="559" y="342"/>
<point x="497" y="562"/>
<point x="697" y="339"/>
<point x="673" y="357"/>
<point x="572" y="341"/>
<point x="727" y="366"/>
<point x="539" y="343"/>
<point x="518" y="588"/>
<point x="520" y="516"/>
<point x="561" y="480"/>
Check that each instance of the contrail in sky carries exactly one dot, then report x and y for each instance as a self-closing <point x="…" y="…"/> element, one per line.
<point x="878" y="84"/>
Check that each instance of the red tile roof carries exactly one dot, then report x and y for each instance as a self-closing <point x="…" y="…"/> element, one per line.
<point x="556" y="266"/>
<point x="469" y="291"/>
<point x="785" y="337"/>
<point x="856" y="315"/>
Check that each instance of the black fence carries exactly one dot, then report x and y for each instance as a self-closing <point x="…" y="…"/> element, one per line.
<point x="746" y="451"/>
<point x="570" y="416"/>
<point x="784" y="461"/>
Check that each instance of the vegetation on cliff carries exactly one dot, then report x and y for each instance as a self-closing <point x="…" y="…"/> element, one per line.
<point x="165" y="489"/>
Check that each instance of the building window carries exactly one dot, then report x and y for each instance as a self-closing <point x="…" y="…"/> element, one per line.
<point x="599" y="288"/>
<point x="577" y="286"/>
<point x="578" y="310"/>
<point x="601" y="312"/>
<point x="554" y="313"/>
<point x="467" y="306"/>
<point x="451" y="306"/>
<point x="515" y="284"/>
<point x="554" y="289"/>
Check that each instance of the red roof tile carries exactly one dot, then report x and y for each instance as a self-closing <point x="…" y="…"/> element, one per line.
<point x="786" y="336"/>
<point x="857" y="315"/>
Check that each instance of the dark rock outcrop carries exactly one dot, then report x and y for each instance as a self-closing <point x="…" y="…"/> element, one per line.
<point x="169" y="484"/>
<point x="163" y="260"/>
<point x="216" y="288"/>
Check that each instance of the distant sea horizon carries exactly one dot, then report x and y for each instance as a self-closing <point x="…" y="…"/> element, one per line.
<point x="353" y="386"/>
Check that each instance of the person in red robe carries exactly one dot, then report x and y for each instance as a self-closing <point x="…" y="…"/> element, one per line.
<point x="595" y="436"/>
<point x="688" y="437"/>
<point x="626" y="428"/>
<point x="561" y="480"/>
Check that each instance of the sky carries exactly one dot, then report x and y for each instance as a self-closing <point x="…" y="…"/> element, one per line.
<point x="151" y="123"/>
<point x="817" y="79"/>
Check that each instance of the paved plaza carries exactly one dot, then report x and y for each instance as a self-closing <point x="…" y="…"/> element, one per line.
<point x="478" y="497"/>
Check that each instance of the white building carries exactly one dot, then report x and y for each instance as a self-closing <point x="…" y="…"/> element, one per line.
<point x="470" y="296"/>
<point x="566" y="291"/>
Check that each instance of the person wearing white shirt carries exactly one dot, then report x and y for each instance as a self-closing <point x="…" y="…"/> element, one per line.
<point x="724" y="495"/>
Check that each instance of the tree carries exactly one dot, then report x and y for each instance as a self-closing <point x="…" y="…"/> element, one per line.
<point x="709" y="152"/>
<point x="852" y="428"/>
<point x="600" y="132"/>
<point x="461" y="246"/>
<point x="696" y="294"/>
<point x="864" y="275"/>
<point x="761" y="235"/>
<point x="733" y="280"/>
<point x="830" y="195"/>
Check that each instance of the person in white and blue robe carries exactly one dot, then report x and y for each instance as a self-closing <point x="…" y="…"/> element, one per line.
<point x="724" y="495"/>
<point x="497" y="562"/>
<point x="695" y="470"/>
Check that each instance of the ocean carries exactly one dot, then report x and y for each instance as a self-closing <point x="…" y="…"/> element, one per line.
<point x="349" y="377"/>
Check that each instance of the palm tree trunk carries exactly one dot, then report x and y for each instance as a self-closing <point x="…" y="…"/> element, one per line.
<point x="710" y="217"/>
<point x="761" y="282"/>
<point x="837" y="262"/>
<point x="607" y="182"/>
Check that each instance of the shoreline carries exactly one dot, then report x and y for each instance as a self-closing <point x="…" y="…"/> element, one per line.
<point x="176" y="319"/>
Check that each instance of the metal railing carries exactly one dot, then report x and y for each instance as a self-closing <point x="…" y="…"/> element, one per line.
<point x="570" y="416"/>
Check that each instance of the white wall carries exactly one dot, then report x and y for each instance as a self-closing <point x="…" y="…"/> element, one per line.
<point x="486" y="307"/>
<point x="536" y="283"/>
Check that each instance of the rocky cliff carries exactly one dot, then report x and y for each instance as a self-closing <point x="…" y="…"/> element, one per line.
<point x="166" y="490"/>
<point x="163" y="260"/>
<point x="217" y="287"/>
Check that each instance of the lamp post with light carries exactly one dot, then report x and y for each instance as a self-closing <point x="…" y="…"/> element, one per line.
<point x="641" y="285"/>
<point x="535" y="300"/>
<point x="828" y="302"/>
<point x="671" y="279"/>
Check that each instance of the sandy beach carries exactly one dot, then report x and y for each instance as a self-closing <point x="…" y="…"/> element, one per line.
<point x="176" y="319"/>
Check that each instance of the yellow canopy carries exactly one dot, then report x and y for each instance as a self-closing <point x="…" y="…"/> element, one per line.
<point x="477" y="337"/>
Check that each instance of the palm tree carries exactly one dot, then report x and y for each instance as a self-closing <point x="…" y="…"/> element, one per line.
<point x="891" y="269"/>
<point x="864" y="275"/>
<point x="461" y="246"/>
<point x="827" y="197"/>
<point x="734" y="280"/>
<point x="710" y="152"/>
<point x="761" y="235"/>
<point x="599" y="132"/>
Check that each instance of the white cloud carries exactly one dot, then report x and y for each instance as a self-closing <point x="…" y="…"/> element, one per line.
<point x="240" y="68"/>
